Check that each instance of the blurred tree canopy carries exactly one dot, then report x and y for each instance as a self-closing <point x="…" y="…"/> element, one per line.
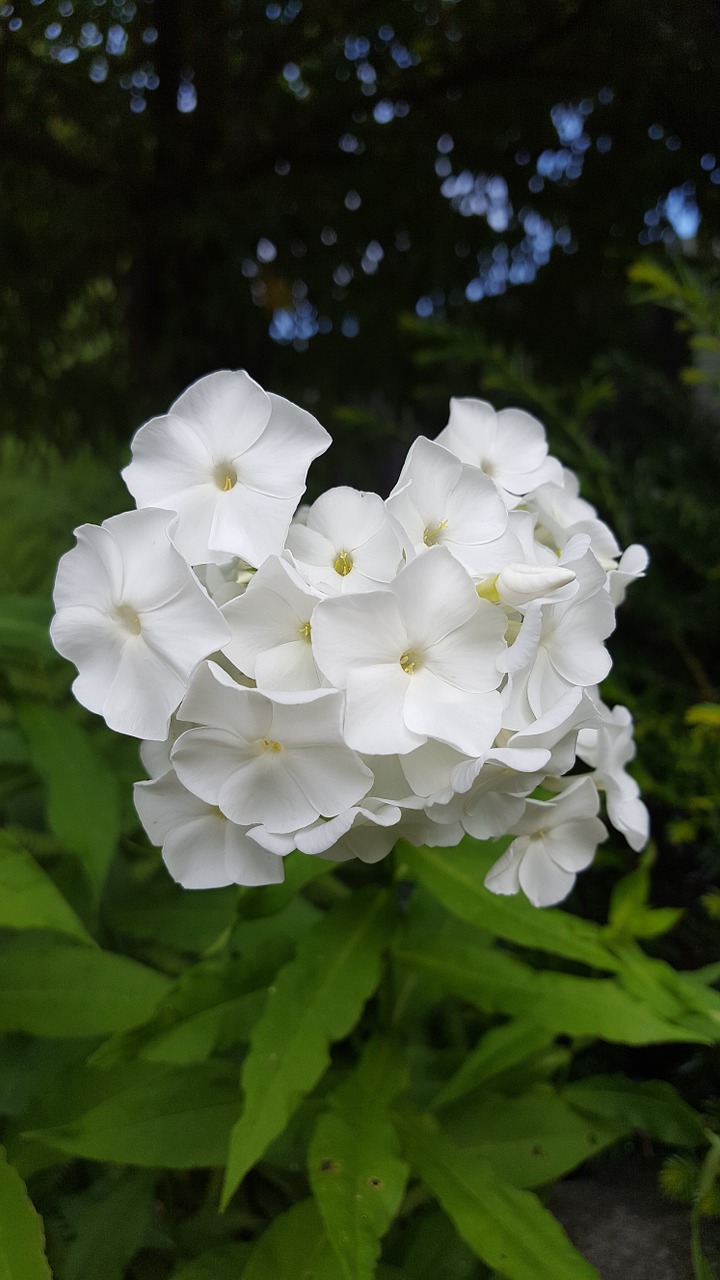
<point x="187" y="185"/>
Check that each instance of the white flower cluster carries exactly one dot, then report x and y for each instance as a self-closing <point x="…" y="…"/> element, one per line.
<point x="335" y="677"/>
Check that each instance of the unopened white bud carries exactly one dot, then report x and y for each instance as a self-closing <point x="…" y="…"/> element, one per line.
<point x="518" y="584"/>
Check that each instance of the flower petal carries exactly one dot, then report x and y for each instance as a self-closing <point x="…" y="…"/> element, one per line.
<point x="374" y="717"/>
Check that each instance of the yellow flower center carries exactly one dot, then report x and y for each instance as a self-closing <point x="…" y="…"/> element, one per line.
<point x="305" y="632"/>
<point x="225" y="476"/>
<point x="343" y="564"/>
<point x="409" y="661"/>
<point x="270" y="745"/>
<point x="430" y="536"/>
<point x="128" y="618"/>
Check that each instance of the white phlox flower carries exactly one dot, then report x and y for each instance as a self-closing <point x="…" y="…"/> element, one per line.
<point x="282" y="764"/>
<point x="555" y="840"/>
<point x="134" y="620"/>
<point x="231" y="460"/>
<point x="560" y="645"/>
<point x="509" y="446"/>
<point x="416" y="661"/>
<point x="439" y="501"/>
<point x="336" y="677"/>
<point x="270" y="624"/>
<point x="346" y="542"/>
<point x="201" y="848"/>
<point x="608" y="749"/>
<point x="562" y="514"/>
<point x="492" y="792"/>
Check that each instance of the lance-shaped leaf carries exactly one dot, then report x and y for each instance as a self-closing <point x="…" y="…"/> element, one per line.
<point x="676" y="995"/>
<point x="294" y="1245"/>
<point x="356" y="1173"/>
<point x="497" y="983"/>
<point x="67" y="990"/>
<point x="531" y="1139"/>
<point x="22" y="1238"/>
<point x="151" y="1116"/>
<point x="499" y="1049"/>
<point x="316" y="999"/>
<point x="83" y="797"/>
<point x="205" y="1009"/>
<point x="649" y="1106"/>
<point x="507" y="1228"/>
<point x="455" y="877"/>
<point x="28" y="897"/>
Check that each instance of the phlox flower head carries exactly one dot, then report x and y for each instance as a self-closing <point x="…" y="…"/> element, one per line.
<point x="335" y="678"/>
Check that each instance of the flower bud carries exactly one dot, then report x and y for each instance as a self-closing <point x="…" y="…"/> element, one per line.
<point x="518" y="584"/>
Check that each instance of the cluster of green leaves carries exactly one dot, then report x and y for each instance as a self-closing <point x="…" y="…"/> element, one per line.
<point x="335" y="1063"/>
<point x="362" y="1075"/>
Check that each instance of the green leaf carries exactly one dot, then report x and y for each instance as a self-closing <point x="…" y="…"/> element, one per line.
<point x="28" y="897"/>
<point x="164" y="913"/>
<point x="225" y="1262"/>
<point x="455" y="876"/>
<point x="148" y="1115"/>
<point x="83" y="803"/>
<point x="356" y="1173"/>
<point x="667" y="992"/>
<point x="531" y="1139"/>
<point x="109" y="1224"/>
<point x="22" y="1238"/>
<point x="498" y="983"/>
<point x="316" y="999"/>
<point x="294" y="1246"/>
<point x="436" y="1251"/>
<point x="629" y="895"/>
<point x="499" y="1049"/>
<point x="507" y="1228"/>
<point x="652" y="1107"/>
<point x="64" y="990"/>
<point x="629" y="912"/>
<point x="25" y="624"/>
<point x="205" y="1008"/>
